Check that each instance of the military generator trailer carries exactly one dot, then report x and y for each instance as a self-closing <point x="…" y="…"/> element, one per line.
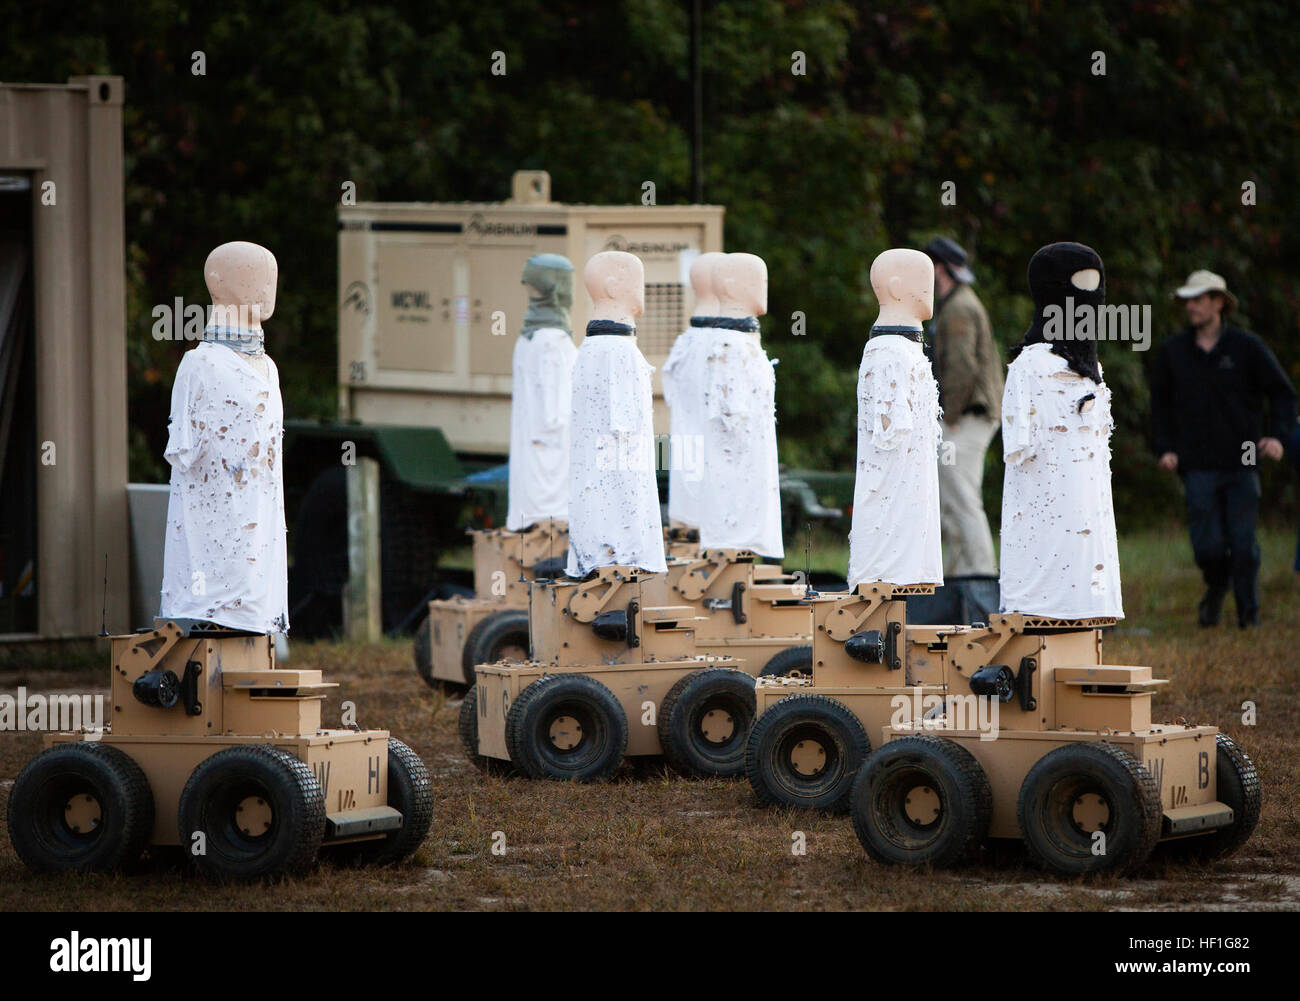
<point x="461" y="632"/>
<point x="620" y="666"/>
<point x="214" y="748"/>
<point x="1074" y="767"/>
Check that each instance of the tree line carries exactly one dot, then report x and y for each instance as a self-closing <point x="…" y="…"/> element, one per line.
<point x="1161" y="132"/>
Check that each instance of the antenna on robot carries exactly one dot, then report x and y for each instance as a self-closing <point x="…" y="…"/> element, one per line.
<point x="809" y="590"/>
<point x="103" y="618"/>
<point x="530" y="618"/>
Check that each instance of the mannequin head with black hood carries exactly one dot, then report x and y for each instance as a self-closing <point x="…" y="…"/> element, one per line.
<point x="1057" y="272"/>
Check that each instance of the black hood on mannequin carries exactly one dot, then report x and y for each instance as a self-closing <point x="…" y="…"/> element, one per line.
<point x="1049" y="283"/>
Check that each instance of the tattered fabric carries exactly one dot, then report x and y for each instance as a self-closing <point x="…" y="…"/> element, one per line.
<point x="225" y="553"/>
<point x="1060" y="556"/>
<point x="895" y="536"/>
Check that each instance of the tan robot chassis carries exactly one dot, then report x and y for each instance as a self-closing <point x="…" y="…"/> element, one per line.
<point x="627" y="663"/>
<point x="493" y="625"/>
<point x="460" y="633"/>
<point x="1072" y="765"/>
<point x="214" y="748"/>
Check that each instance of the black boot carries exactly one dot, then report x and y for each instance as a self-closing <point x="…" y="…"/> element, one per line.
<point x="1207" y="612"/>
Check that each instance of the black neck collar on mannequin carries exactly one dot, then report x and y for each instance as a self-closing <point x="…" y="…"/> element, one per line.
<point x="748" y="324"/>
<point x="911" y="333"/>
<point x="597" y="328"/>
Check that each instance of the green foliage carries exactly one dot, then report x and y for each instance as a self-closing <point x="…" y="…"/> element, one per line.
<point x="819" y="172"/>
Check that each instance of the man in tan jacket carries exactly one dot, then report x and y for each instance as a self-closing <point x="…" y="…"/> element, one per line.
<point x="968" y="367"/>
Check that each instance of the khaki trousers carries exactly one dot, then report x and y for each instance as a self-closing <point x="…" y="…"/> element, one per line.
<point x="967" y="541"/>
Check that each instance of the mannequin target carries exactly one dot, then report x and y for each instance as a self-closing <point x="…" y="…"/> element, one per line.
<point x="741" y="497"/>
<point x="224" y="559"/>
<point x="541" y="402"/>
<point x="614" y="517"/>
<point x="1060" y="554"/>
<point x="683" y="378"/>
<point x="895" y="536"/>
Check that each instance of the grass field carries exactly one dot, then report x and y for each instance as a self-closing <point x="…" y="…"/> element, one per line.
<point x="654" y="841"/>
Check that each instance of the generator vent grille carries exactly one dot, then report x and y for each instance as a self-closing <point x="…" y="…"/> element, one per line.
<point x="664" y="318"/>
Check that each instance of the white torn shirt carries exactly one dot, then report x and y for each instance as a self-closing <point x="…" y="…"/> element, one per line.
<point x="895" y="533"/>
<point x="741" y="499"/>
<point x="1060" y="555"/>
<point x="540" y="407"/>
<point x="683" y="377"/>
<point x="614" y="515"/>
<point x="225" y="557"/>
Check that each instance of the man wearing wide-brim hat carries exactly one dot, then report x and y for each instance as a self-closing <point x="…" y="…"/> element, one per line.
<point x="1209" y="387"/>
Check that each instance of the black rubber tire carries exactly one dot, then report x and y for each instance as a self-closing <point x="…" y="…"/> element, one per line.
<point x="210" y="798"/>
<point x="782" y="728"/>
<point x="681" y="719"/>
<point x="422" y="651"/>
<point x="41" y="836"/>
<point x="467" y="727"/>
<point x="603" y="741"/>
<point x="1045" y="806"/>
<point x="795" y="658"/>
<point x="410" y="792"/>
<point x="1238" y="787"/>
<point x="879" y="802"/>
<point x="490" y="636"/>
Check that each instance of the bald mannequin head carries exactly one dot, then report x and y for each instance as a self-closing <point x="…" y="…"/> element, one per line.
<point x="903" y="281"/>
<point x="706" y="295"/>
<point x="740" y="281"/>
<point x="616" y="283"/>
<point x="243" y="275"/>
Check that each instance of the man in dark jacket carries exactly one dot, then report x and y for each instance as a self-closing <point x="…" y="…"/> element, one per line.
<point x="1208" y="388"/>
